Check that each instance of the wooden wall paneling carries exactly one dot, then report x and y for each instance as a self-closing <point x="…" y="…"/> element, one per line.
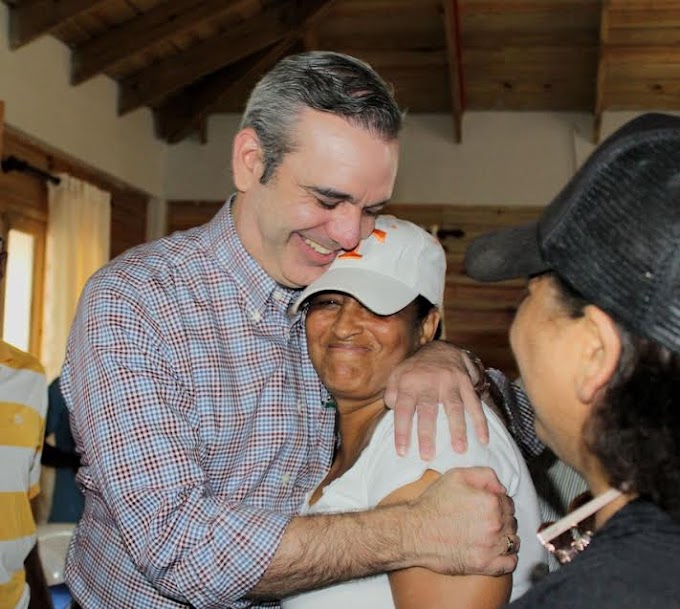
<point x="128" y="221"/>
<point x="477" y="316"/>
<point x="187" y="214"/>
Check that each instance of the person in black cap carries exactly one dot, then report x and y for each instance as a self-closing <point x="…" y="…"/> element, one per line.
<point x="597" y="342"/>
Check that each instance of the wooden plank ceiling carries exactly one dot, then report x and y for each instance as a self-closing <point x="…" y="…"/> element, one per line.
<point x="189" y="59"/>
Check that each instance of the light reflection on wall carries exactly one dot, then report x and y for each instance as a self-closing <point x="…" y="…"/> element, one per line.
<point x="18" y="289"/>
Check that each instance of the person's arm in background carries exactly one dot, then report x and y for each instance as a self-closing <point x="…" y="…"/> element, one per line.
<point x="519" y="415"/>
<point x="57" y="416"/>
<point x="55" y="457"/>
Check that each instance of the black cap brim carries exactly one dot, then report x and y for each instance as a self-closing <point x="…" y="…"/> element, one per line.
<point x="505" y="254"/>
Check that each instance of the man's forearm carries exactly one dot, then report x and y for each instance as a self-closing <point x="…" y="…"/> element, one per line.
<point x="319" y="550"/>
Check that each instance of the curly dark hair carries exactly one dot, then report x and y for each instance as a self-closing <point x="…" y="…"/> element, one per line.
<point x="634" y="430"/>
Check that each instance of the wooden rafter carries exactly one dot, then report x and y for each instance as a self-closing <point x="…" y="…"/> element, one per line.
<point x="452" y="27"/>
<point x="143" y="32"/>
<point x="184" y="113"/>
<point x="176" y="72"/>
<point x="33" y="18"/>
<point x="601" y="71"/>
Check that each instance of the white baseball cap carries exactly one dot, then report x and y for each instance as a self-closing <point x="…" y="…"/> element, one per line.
<point x="387" y="270"/>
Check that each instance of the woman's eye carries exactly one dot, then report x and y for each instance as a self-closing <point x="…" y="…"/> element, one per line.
<point x="323" y="303"/>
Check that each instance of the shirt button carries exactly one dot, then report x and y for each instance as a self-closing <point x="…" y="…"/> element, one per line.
<point x="300" y="407"/>
<point x="279" y="295"/>
<point x="285" y="479"/>
<point x="255" y="316"/>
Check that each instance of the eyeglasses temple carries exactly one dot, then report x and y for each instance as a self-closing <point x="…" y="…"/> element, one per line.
<point x="573" y="518"/>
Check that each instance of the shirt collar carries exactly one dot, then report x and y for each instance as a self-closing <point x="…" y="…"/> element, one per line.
<point x="222" y="240"/>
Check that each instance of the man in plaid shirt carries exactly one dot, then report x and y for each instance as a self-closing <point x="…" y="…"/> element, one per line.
<point x="199" y="418"/>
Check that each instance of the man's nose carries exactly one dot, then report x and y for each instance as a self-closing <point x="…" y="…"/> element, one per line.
<point x="349" y="225"/>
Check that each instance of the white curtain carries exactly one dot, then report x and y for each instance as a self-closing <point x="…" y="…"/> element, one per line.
<point x="78" y="240"/>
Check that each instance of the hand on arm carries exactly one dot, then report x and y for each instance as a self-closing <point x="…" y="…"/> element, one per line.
<point x="439" y="373"/>
<point x="459" y="525"/>
<point x="418" y="588"/>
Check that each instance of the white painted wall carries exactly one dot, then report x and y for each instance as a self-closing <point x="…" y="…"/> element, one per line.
<point x="506" y="158"/>
<point x="80" y="121"/>
<point x="203" y="171"/>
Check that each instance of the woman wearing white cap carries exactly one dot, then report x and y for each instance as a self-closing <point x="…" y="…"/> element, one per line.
<point x="374" y="307"/>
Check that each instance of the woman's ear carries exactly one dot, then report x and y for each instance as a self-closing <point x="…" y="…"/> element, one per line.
<point x="429" y="326"/>
<point x="601" y="353"/>
<point x="247" y="161"/>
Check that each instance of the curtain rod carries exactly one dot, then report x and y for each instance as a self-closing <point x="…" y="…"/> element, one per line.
<point x="12" y="163"/>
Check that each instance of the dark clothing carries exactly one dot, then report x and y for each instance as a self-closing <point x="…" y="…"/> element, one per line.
<point x="67" y="499"/>
<point x="631" y="563"/>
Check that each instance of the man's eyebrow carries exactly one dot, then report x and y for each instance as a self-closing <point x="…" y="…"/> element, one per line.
<point x="331" y="193"/>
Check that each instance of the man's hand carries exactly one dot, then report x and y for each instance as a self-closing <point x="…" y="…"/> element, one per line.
<point x="439" y="373"/>
<point x="465" y="525"/>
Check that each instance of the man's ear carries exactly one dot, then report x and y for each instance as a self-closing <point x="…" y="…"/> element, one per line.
<point x="429" y="327"/>
<point x="247" y="161"/>
<point x="601" y="353"/>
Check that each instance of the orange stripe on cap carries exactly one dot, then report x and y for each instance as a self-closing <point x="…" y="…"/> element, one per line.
<point x="380" y="235"/>
<point x="351" y="254"/>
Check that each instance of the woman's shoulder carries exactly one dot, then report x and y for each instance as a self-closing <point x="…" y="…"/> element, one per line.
<point x="381" y="464"/>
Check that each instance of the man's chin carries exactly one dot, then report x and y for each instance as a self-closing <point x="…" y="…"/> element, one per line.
<point x="303" y="277"/>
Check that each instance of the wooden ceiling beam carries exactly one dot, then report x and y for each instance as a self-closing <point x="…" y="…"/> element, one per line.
<point x="144" y="32"/>
<point x="180" y="116"/>
<point x="31" y="19"/>
<point x="178" y="71"/>
<point x="455" y="67"/>
<point x="601" y="79"/>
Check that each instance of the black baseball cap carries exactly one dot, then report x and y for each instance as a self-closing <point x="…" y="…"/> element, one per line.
<point x="612" y="233"/>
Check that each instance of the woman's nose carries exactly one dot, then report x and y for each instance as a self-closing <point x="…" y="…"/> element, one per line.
<point x="347" y="323"/>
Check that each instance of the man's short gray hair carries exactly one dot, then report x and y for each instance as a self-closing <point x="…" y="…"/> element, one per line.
<point x="324" y="81"/>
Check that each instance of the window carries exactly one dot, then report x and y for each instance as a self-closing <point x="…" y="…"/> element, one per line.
<point x="22" y="289"/>
<point x="16" y="326"/>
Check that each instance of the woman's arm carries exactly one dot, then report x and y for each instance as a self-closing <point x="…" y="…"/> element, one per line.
<point x="419" y="588"/>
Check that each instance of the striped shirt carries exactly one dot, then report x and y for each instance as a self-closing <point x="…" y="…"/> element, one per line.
<point x="23" y="405"/>
<point x="199" y="419"/>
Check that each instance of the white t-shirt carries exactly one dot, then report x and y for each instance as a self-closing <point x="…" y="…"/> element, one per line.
<point x="379" y="471"/>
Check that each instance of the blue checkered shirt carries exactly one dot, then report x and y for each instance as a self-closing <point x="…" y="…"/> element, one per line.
<point x="200" y="421"/>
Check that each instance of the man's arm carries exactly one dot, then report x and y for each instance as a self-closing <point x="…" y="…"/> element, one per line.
<point x="459" y="525"/>
<point x="142" y="456"/>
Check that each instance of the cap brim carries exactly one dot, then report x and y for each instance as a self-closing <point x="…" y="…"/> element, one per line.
<point x="505" y="254"/>
<point x="380" y="294"/>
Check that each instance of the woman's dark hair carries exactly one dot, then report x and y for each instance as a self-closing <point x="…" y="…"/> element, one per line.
<point x="423" y="307"/>
<point x="634" y="430"/>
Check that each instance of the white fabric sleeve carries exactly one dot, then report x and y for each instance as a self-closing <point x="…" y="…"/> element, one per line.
<point x="385" y="471"/>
